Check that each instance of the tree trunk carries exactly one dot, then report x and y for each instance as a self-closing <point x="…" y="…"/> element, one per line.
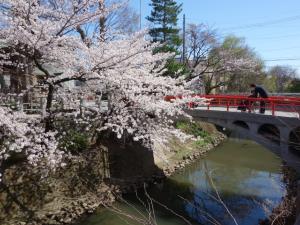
<point x="207" y="91"/>
<point x="49" y="122"/>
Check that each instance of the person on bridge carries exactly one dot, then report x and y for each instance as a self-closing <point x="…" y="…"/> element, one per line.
<point x="259" y="91"/>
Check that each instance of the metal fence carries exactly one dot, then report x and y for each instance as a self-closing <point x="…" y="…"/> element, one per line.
<point x="36" y="104"/>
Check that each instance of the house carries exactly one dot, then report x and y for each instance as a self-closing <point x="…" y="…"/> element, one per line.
<point x="15" y="79"/>
<point x="16" y="71"/>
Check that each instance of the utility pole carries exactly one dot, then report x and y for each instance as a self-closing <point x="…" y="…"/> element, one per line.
<point x="102" y="22"/>
<point x="183" y="39"/>
<point x="140" y="14"/>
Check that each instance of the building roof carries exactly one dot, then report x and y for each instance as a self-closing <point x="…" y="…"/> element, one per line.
<point x="51" y="68"/>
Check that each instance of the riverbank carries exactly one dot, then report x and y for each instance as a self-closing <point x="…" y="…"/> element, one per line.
<point x="171" y="158"/>
<point x="75" y="191"/>
<point x="61" y="198"/>
<point x="181" y="154"/>
<point x="174" y="155"/>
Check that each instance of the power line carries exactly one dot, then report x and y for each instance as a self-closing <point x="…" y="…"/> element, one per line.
<point x="263" y="24"/>
<point x="264" y="38"/>
<point x="223" y="35"/>
<point x="277" y="37"/>
<point x="280" y="49"/>
<point x="282" y="59"/>
<point x="256" y="18"/>
<point x="292" y="65"/>
<point x="260" y="24"/>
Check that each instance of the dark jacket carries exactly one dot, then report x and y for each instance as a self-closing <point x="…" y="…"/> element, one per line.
<point x="260" y="92"/>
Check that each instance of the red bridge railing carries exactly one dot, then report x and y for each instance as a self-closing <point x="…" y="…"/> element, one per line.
<point x="232" y="102"/>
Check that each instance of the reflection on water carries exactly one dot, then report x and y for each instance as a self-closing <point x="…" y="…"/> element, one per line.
<point x="246" y="176"/>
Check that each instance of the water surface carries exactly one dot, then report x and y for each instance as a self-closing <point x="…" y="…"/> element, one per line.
<point x="239" y="176"/>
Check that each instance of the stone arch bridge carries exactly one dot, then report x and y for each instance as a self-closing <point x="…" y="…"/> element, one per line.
<point x="278" y="129"/>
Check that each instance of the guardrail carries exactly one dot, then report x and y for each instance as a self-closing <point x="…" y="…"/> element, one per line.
<point x="37" y="104"/>
<point x="273" y="103"/>
<point x="229" y="102"/>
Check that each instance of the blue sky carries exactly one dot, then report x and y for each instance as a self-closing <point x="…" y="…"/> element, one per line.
<point x="275" y="33"/>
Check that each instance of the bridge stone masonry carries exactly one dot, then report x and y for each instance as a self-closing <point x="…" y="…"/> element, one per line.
<point x="278" y="134"/>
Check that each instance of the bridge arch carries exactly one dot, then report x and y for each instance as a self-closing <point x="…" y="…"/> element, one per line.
<point x="241" y="124"/>
<point x="270" y="132"/>
<point x="294" y="140"/>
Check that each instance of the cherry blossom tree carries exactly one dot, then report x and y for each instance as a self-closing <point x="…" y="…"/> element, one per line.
<point x="50" y="33"/>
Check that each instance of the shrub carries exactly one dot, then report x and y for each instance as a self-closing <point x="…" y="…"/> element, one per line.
<point x="75" y="141"/>
<point x="196" y="130"/>
<point x="191" y="128"/>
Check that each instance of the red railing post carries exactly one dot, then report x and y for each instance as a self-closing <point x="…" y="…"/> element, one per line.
<point x="227" y="103"/>
<point x="273" y="108"/>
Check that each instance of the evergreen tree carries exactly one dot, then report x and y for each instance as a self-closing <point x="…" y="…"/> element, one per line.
<point x="164" y="17"/>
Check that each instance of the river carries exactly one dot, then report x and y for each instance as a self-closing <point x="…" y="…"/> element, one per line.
<point x="246" y="177"/>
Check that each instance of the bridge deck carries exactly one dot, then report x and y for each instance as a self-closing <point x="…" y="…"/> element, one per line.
<point x="267" y="112"/>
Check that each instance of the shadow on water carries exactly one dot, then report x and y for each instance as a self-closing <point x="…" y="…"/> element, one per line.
<point x="246" y="176"/>
<point x="165" y="192"/>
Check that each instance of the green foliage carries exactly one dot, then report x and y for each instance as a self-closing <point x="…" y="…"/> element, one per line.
<point x="283" y="78"/>
<point x="235" y="44"/>
<point x="194" y="129"/>
<point x="175" y="69"/>
<point x="74" y="142"/>
<point x="237" y="79"/>
<point x="201" y="143"/>
<point x="164" y="17"/>
<point x="294" y="87"/>
<point x="270" y="83"/>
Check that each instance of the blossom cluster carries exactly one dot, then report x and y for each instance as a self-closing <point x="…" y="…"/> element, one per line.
<point x="22" y="135"/>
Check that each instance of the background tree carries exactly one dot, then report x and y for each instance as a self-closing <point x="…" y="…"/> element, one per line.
<point x="117" y="18"/>
<point x="294" y="86"/>
<point x="279" y="78"/>
<point x="200" y="40"/>
<point x="230" y="65"/>
<point x="164" y="18"/>
<point x="125" y="19"/>
<point x="247" y="67"/>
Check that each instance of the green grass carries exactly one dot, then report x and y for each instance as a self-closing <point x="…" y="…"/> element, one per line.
<point x="195" y="129"/>
<point x="74" y="142"/>
<point x="200" y="143"/>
